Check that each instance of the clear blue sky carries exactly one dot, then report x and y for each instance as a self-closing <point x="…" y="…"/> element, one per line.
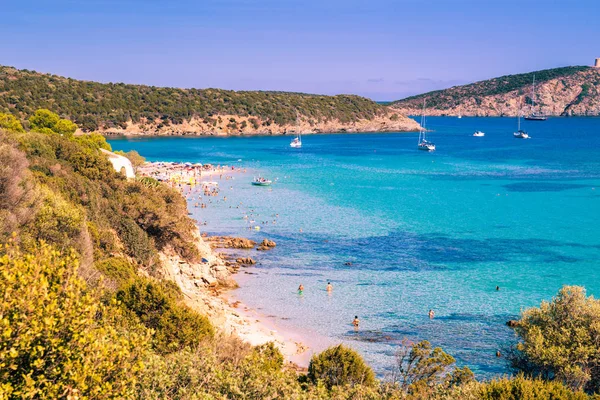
<point x="383" y="49"/>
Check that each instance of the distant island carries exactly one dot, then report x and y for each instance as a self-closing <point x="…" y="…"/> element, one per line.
<point x="118" y="108"/>
<point x="566" y="91"/>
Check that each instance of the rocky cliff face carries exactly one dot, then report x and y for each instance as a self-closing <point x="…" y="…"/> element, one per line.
<point x="235" y="125"/>
<point x="575" y="94"/>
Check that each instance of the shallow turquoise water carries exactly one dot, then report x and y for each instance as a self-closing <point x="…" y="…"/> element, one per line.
<point x="422" y="230"/>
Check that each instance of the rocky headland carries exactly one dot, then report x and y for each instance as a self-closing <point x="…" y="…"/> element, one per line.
<point x="569" y="91"/>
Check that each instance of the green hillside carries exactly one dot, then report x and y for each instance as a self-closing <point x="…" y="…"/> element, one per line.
<point x="454" y="96"/>
<point x="93" y="105"/>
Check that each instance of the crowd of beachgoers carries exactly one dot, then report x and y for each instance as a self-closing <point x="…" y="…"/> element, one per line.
<point x="178" y="174"/>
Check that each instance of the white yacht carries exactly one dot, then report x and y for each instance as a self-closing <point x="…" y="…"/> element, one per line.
<point x="532" y="115"/>
<point x="424" y="144"/>
<point x="296" y="142"/>
<point x="520" y="134"/>
<point x="479" y="134"/>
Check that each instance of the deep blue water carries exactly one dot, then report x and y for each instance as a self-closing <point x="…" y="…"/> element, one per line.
<point x="421" y="230"/>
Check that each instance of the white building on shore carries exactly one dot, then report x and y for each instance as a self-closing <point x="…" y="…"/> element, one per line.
<point x="120" y="164"/>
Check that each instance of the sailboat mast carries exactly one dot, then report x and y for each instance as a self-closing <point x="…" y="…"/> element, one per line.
<point x="422" y="130"/>
<point x="533" y="95"/>
<point x="519" y="117"/>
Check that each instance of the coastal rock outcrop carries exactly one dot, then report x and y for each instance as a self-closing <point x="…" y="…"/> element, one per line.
<point x="229" y="242"/>
<point x="245" y="261"/>
<point x="266" y="244"/>
<point x="512" y="323"/>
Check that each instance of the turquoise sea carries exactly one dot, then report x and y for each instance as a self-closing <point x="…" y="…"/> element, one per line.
<point x="421" y="230"/>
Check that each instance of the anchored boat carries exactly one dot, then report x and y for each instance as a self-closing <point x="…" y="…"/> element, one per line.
<point x="424" y="144"/>
<point x="261" y="182"/>
<point x="296" y="142"/>
<point x="533" y="116"/>
<point x="520" y="134"/>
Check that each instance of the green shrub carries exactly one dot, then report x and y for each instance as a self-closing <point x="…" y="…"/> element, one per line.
<point x="338" y="366"/>
<point x="156" y="305"/>
<point x="10" y="123"/>
<point x="137" y="243"/>
<point x="420" y="367"/>
<point x="559" y="340"/>
<point x="65" y="127"/>
<point x="520" y="388"/>
<point x="57" y="221"/>
<point x="149" y="182"/>
<point x="93" y="141"/>
<point x="91" y="164"/>
<point x="206" y="373"/>
<point x="43" y="118"/>
<point x="45" y="121"/>
<point x="117" y="268"/>
<point x="56" y="339"/>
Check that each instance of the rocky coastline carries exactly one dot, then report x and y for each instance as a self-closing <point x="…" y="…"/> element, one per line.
<point x="574" y="95"/>
<point x="206" y="285"/>
<point x="235" y="125"/>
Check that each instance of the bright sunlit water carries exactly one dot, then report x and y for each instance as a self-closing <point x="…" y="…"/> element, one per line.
<point x="422" y="230"/>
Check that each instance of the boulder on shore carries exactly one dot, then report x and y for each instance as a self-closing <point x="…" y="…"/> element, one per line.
<point x="245" y="261"/>
<point x="228" y="242"/>
<point x="512" y="323"/>
<point x="266" y="244"/>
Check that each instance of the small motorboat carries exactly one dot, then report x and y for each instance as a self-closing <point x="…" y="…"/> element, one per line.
<point x="261" y="182"/>
<point x="479" y="134"/>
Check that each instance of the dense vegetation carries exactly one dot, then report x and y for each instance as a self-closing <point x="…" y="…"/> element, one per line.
<point x="86" y="314"/>
<point x="452" y="97"/>
<point x="96" y="105"/>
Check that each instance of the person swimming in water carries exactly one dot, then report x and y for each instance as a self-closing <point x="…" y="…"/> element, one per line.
<point x="431" y="314"/>
<point x="497" y="288"/>
<point x="356" y="321"/>
<point x="329" y="287"/>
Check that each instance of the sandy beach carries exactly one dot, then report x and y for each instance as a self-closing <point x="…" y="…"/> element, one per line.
<point x="208" y="286"/>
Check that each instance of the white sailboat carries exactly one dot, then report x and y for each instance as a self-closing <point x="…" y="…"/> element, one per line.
<point x="296" y="142"/>
<point x="520" y="134"/>
<point x="424" y="144"/>
<point x="532" y="115"/>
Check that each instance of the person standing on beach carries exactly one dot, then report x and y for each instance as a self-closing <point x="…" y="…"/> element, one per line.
<point x="356" y="321"/>
<point x="329" y="287"/>
<point x="431" y="314"/>
<point x="300" y="289"/>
